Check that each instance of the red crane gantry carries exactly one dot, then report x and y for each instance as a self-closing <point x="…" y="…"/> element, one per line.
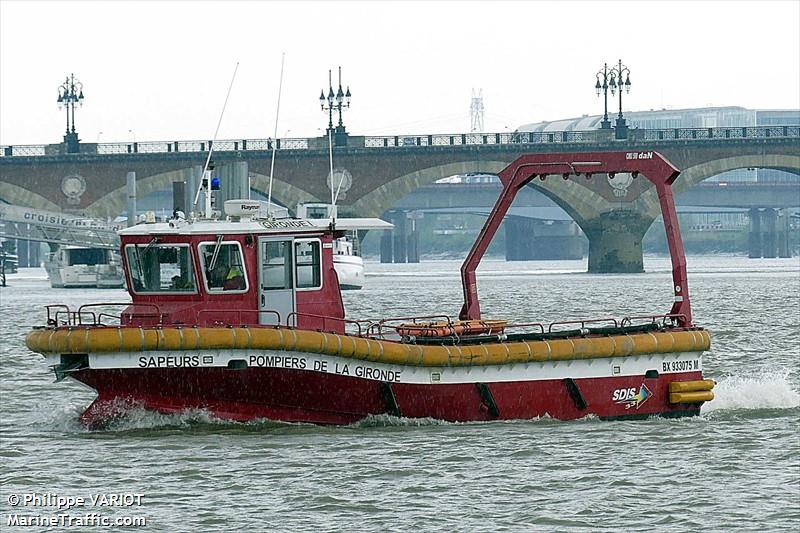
<point x="648" y="164"/>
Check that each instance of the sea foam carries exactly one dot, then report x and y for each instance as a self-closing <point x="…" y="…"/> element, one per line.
<point x="766" y="389"/>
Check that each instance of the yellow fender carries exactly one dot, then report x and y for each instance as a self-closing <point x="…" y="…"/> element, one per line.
<point x="137" y="339"/>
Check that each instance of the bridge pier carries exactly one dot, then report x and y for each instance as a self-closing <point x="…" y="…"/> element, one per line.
<point x="769" y="225"/>
<point x="233" y="183"/>
<point x="194" y="176"/>
<point x="783" y="234"/>
<point x="28" y="253"/>
<point x="399" y="236"/>
<point x="386" y="247"/>
<point x="530" y="239"/>
<point x="412" y="245"/>
<point x="130" y="183"/>
<point x="769" y="233"/>
<point x="401" y="244"/>
<point x="412" y="240"/>
<point x="615" y="242"/>
<point x="179" y="196"/>
<point x="754" y="238"/>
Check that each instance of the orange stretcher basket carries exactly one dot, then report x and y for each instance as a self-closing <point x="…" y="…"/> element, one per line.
<point x="460" y="328"/>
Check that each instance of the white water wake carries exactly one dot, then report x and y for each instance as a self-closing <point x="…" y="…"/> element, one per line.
<point x="765" y="389"/>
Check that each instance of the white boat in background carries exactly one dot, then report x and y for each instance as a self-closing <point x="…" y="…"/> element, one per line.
<point x="78" y="266"/>
<point x="348" y="264"/>
<point x="347" y="260"/>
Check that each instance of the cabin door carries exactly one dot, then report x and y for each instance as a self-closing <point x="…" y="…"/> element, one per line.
<point x="276" y="299"/>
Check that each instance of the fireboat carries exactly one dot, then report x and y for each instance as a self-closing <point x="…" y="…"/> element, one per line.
<point x="243" y="318"/>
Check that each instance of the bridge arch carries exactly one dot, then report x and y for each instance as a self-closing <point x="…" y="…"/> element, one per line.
<point x="16" y="195"/>
<point x="380" y="200"/>
<point x="708" y="169"/>
<point x="702" y="171"/>
<point x="580" y="203"/>
<point x="614" y="229"/>
<point x="282" y="192"/>
<point x="115" y="202"/>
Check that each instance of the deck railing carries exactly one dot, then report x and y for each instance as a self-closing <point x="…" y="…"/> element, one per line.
<point x="97" y="315"/>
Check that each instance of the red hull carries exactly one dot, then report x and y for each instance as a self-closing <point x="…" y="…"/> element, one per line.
<point x="305" y="396"/>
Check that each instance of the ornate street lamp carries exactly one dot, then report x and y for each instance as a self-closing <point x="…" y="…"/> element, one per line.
<point x="337" y="101"/>
<point x="611" y="78"/>
<point x="616" y="84"/>
<point x="603" y="75"/>
<point x="70" y="93"/>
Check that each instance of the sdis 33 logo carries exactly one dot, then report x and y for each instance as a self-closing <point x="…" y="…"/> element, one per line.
<point x="631" y="397"/>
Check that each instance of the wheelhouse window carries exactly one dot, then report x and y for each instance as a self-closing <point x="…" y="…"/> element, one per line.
<point x="160" y="268"/>
<point x="308" y="262"/>
<point x="223" y="267"/>
<point x="276" y="270"/>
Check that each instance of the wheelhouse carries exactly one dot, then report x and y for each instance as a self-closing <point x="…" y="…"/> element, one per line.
<point x="234" y="273"/>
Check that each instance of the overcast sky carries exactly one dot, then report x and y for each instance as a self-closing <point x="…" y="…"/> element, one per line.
<point x="160" y="70"/>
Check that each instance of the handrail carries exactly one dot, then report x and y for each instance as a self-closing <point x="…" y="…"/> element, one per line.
<point x="53" y="321"/>
<point x="526" y="325"/>
<point x="75" y="318"/>
<point x="365" y="328"/>
<point x="673" y="317"/>
<point x="405" y="142"/>
<point x="346" y="321"/>
<point x="582" y="322"/>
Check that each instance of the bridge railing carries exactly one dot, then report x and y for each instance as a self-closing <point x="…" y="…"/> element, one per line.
<point x="200" y="146"/>
<point x="461" y="139"/>
<point x="23" y="150"/>
<point x="410" y="141"/>
<point x="745" y="132"/>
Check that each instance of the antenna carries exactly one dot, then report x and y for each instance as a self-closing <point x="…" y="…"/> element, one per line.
<point x="205" y="182"/>
<point x="275" y="139"/>
<point x="476" y="111"/>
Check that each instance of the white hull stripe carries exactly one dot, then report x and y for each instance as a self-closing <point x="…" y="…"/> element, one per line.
<point x="667" y="363"/>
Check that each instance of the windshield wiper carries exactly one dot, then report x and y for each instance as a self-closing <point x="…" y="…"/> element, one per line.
<point x="139" y="269"/>
<point x="215" y="254"/>
<point x="138" y="263"/>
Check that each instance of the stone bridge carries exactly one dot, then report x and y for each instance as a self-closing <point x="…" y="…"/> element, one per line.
<point x="382" y="170"/>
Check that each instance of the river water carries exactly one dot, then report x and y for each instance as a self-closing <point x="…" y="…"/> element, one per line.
<point x="736" y="467"/>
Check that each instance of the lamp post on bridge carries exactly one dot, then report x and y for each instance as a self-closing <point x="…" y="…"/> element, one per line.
<point x="336" y="101"/>
<point x="70" y="93"/>
<point x="620" y="128"/>
<point x="603" y="75"/>
<point x="612" y="79"/>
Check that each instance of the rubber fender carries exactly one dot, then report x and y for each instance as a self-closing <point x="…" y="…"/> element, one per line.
<point x="691" y="397"/>
<point x="691" y="386"/>
<point x="644" y="343"/>
<point x="136" y="339"/>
